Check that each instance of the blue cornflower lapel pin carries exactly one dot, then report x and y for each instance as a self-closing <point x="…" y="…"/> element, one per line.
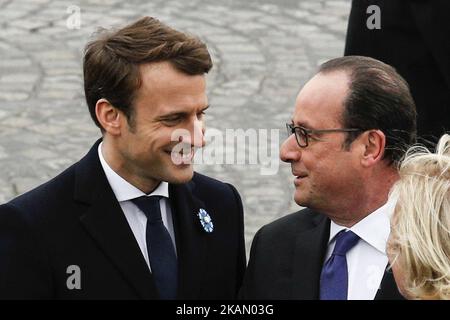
<point x="205" y="220"/>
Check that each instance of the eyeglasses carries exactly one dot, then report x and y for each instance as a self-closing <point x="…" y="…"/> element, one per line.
<point x="302" y="134"/>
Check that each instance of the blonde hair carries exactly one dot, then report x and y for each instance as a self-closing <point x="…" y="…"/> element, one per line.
<point x="420" y="235"/>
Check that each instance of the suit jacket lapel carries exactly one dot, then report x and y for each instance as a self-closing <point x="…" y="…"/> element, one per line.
<point x="190" y="238"/>
<point x="106" y="223"/>
<point x="309" y="252"/>
<point x="388" y="288"/>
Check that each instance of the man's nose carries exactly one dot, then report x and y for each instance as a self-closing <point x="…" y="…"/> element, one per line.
<point x="289" y="150"/>
<point x="199" y="134"/>
<point x="196" y="137"/>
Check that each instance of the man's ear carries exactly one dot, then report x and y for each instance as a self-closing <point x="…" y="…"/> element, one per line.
<point x="374" y="143"/>
<point x="108" y="116"/>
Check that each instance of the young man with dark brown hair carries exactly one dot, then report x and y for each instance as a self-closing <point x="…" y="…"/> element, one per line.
<point x="131" y="220"/>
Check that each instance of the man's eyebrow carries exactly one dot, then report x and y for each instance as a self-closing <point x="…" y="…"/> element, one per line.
<point x="179" y="113"/>
<point x="173" y="114"/>
<point x="303" y="124"/>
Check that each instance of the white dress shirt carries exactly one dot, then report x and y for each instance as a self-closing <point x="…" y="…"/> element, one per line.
<point x="125" y="192"/>
<point x="367" y="260"/>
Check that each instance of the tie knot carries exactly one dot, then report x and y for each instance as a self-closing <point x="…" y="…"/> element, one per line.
<point x="344" y="242"/>
<point x="149" y="206"/>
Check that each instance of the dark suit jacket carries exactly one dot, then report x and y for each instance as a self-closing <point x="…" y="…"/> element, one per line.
<point x="286" y="260"/>
<point x="75" y="219"/>
<point x="414" y="38"/>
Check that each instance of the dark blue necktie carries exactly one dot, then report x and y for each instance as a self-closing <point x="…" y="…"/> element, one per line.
<point x="334" y="277"/>
<point x="161" y="252"/>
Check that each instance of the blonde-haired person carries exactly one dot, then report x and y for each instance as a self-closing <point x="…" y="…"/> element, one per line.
<point x="419" y="244"/>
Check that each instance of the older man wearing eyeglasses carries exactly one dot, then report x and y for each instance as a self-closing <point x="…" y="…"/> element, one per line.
<point x="351" y="124"/>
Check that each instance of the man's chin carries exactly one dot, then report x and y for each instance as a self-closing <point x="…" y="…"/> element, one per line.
<point x="301" y="201"/>
<point x="181" y="175"/>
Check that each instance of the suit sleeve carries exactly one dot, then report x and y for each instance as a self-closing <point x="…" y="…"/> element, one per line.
<point x="24" y="271"/>
<point x="247" y="286"/>
<point x="432" y="21"/>
<point x="241" y="257"/>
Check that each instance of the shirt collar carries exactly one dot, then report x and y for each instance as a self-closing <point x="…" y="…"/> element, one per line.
<point x="373" y="229"/>
<point x="123" y="190"/>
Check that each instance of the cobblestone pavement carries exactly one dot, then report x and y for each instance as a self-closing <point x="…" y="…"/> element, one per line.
<point x="263" y="51"/>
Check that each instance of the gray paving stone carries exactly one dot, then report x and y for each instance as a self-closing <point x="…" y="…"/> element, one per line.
<point x="11" y="63"/>
<point x="14" y="96"/>
<point x="18" y="78"/>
